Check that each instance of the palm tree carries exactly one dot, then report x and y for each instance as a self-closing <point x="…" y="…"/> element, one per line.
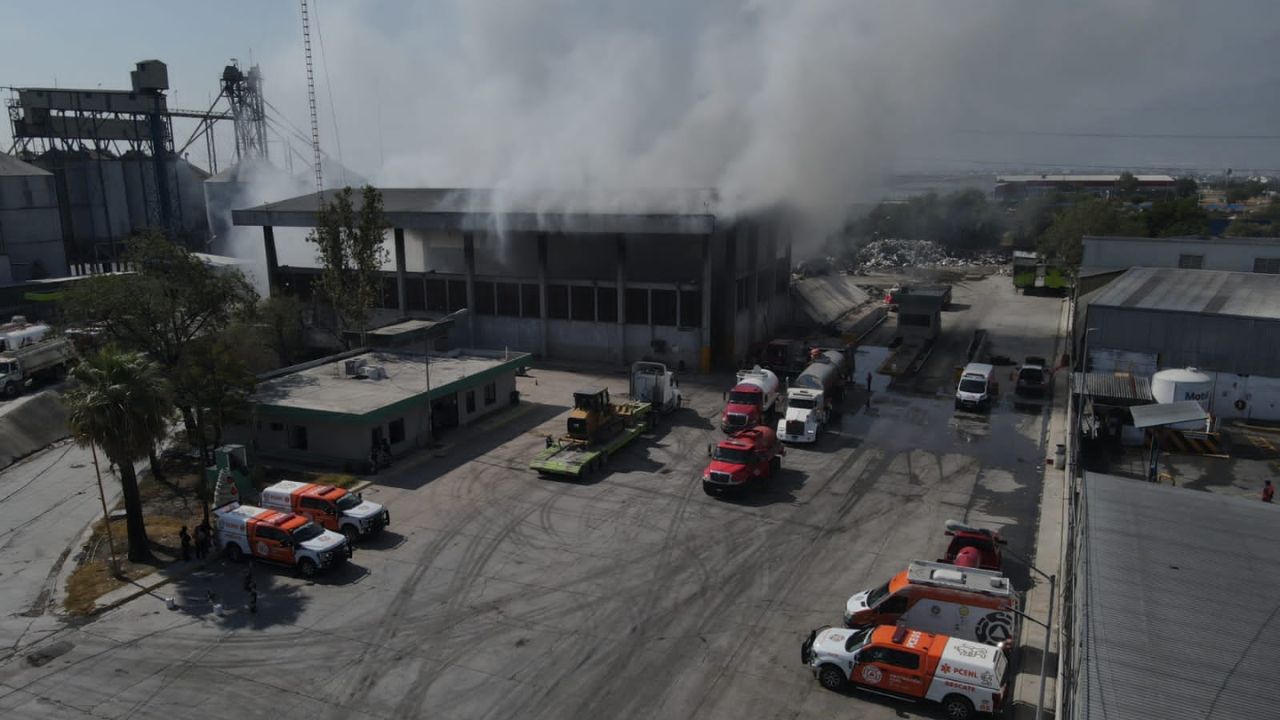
<point x="120" y="402"/>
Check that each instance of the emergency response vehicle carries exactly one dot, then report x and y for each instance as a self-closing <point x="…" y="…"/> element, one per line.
<point x="330" y="507"/>
<point x="964" y="677"/>
<point x="278" y="537"/>
<point x="966" y="603"/>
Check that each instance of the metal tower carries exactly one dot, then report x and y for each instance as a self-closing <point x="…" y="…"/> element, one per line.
<point x="311" y="97"/>
<point x="244" y="94"/>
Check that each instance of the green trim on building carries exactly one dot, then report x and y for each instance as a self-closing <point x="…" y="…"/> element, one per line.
<point x="398" y="408"/>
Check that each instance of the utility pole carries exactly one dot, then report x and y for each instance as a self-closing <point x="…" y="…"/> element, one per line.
<point x="106" y="516"/>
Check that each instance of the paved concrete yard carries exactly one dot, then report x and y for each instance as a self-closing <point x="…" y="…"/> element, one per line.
<point x="499" y="594"/>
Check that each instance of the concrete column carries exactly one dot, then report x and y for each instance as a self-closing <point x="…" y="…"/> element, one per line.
<point x="543" y="324"/>
<point x="621" y="354"/>
<point x="273" y="263"/>
<point x="730" y="349"/>
<point x="770" y="274"/>
<point x="469" y="254"/>
<point x="704" y="354"/>
<point x="400" y="289"/>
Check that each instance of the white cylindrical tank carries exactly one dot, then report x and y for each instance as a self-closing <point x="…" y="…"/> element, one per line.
<point x="1179" y="384"/>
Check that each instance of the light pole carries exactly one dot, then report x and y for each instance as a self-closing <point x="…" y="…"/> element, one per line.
<point x="106" y="517"/>
<point x="1047" y="625"/>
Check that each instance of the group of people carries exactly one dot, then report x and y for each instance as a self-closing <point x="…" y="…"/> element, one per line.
<point x="379" y="455"/>
<point x="203" y="540"/>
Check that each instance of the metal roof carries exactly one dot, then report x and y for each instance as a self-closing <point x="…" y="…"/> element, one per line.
<point x="11" y="166"/>
<point x="1079" y="178"/>
<point x="1177" y="593"/>
<point x="1208" y="292"/>
<point x="1157" y="414"/>
<point x="486" y="209"/>
<point x="1115" y="386"/>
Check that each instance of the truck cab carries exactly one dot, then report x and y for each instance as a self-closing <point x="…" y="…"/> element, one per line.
<point x="973" y="547"/>
<point x="330" y="507"/>
<point x="278" y="537"/>
<point x="962" y="676"/>
<point x="805" y="417"/>
<point x="745" y="458"/>
<point x="656" y="384"/>
<point x="750" y="401"/>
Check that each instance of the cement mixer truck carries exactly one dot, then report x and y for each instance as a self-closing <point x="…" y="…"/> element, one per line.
<point x="811" y="396"/>
<point x="750" y="401"/>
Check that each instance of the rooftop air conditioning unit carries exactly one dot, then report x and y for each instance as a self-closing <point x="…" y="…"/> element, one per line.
<point x="373" y="372"/>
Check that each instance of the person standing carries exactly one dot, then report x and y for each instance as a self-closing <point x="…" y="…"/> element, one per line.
<point x="868" y="382"/>
<point x="184" y="537"/>
<point x="1268" y="491"/>
<point x="202" y="541"/>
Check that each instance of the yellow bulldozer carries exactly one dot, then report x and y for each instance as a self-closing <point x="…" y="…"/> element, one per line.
<point x="594" y="418"/>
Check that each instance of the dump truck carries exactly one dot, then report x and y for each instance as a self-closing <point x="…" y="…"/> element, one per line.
<point x="43" y="361"/>
<point x="895" y="294"/>
<point x="597" y="428"/>
<point x="656" y="384"/>
<point x="785" y="358"/>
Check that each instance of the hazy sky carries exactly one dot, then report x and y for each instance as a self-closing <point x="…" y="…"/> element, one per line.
<point x="809" y="100"/>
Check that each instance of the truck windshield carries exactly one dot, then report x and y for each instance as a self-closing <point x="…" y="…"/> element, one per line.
<point x="310" y="531"/>
<point x="972" y="385"/>
<point x="803" y="403"/>
<point x="347" y="502"/>
<point x="8" y="366"/>
<point x="737" y="397"/>
<point x="875" y="596"/>
<point x="1031" y="375"/>
<point x="857" y="640"/>
<point x="736" y="456"/>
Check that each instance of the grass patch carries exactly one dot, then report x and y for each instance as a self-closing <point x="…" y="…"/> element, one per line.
<point x="342" y="480"/>
<point x="93" y="578"/>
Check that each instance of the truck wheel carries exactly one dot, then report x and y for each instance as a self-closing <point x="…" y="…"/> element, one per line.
<point x="351" y="533"/>
<point x="11" y="390"/>
<point x="775" y="466"/>
<point x="234" y="553"/>
<point x="832" y="678"/>
<point x="307" y="567"/>
<point x="957" y="707"/>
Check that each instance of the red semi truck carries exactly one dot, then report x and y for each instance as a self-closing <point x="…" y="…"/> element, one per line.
<point x="746" y="458"/>
<point x="750" y="401"/>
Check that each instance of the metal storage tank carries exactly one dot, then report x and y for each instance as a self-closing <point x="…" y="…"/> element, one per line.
<point x="1179" y="384"/>
<point x="30" y="226"/>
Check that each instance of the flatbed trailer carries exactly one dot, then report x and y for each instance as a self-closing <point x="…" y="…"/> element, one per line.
<point x="576" y="459"/>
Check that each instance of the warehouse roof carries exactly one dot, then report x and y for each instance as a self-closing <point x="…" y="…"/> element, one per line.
<point x="1209" y="292"/>
<point x="1211" y="240"/>
<point x="635" y="211"/>
<point x="1177" y="593"/>
<point x="1079" y="178"/>
<point x="10" y="166"/>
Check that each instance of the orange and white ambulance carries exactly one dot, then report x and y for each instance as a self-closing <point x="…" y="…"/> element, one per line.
<point x="961" y="602"/>
<point x="964" y="677"/>
<point x="278" y="537"/>
<point x="330" y="507"/>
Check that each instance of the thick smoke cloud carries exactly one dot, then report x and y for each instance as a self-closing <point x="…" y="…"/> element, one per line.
<point x="811" y="103"/>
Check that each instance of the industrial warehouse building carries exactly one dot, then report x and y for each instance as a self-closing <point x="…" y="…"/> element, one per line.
<point x="332" y="411"/>
<point x="1224" y="324"/>
<point x="1115" y="254"/>
<point x="30" y="227"/>
<point x="657" y="275"/>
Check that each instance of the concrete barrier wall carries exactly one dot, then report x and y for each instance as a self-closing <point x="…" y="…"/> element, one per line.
<point x="29" y="424"/>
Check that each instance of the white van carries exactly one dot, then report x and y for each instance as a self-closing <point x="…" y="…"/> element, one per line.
<point x="975" y="388"/>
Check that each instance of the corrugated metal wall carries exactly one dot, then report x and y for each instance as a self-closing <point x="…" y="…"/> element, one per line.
<point x="1246" y="346"/>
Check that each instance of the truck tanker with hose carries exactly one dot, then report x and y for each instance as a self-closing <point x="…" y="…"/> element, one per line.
<point x="596" y="429"/>
<point x="811" y="395"/>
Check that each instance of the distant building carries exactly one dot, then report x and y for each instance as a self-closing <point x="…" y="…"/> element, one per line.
<point x="1012" y="188"/>
<point x="1224" y="324"/>
<point x="1114" y="254"/>
<point x="332" y="411"/>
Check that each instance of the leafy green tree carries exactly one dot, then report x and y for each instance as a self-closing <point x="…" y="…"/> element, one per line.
<point x="120" y="402"/>
<point x="1127" y="184"/>
<point x="351" y="254"/>
<point x="1242" y="191"/>
<point x="1095" y="216"/>
<point x="1185" y="187"/>
<point x="170" y="301"/>
<point x="1171" y="218"/>
<point x="1247" y="227"/>
<point x="278" y="321"/>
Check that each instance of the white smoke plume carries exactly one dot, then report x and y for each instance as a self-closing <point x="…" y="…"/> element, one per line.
<point x="809" y="103"/>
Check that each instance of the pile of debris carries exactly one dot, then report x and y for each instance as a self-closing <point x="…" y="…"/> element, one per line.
<point x="897" y="253"/>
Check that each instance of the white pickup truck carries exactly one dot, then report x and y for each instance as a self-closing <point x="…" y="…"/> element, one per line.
<point x="278" y="537"/>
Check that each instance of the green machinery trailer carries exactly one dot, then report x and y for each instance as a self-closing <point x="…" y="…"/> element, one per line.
<point x="578" y="459"/>
<point x="1032" y="271"/>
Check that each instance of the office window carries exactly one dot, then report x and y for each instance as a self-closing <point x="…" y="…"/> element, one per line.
<point x="437" y="291"/>
<point x="664" y="307"/>
<point x="583" y="304"/>
<point x="277" y="427"/>
<point x="414" y="294"/>
<point x="491" y="393"/>
<point x="637" y="306"/>
<point x="1271" y="266"/>
<point x="391" y="293"/>
<point x="558" y="302"/>
<point x="484" y="299"/>
<point x="395" y="431"/>
<point x="607" y="304"/>
<point x="530" y="307"/>
<point x="508" y="299"/>
<point x="471" y="401"/>
<point x="297" y="437"/>
<point x="1192" y="262"/>
<point x="457" y="295"/>
<point x="690" y="308"/>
